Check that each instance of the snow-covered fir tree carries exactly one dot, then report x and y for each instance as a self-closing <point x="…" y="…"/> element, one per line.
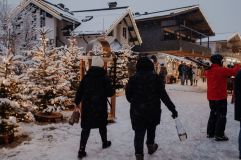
<point x="120" y="75"/>
<point x="12" y="102"/>
<point x="47" y="86"/>
<point x="71" y="63"/>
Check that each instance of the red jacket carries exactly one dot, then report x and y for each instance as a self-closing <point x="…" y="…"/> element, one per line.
<point x="217" y="81"/>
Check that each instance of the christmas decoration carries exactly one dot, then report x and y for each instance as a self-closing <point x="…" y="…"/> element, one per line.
<point x="11" y="85"/>
<point x="71" y="63"/>
<point x="10" y="98"/>
<point x="47" y="86"/>
<point x="125" y="60"/>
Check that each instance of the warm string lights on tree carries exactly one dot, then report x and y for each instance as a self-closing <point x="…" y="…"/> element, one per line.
<point x="124" y="57"/>
<point x="11" y="99"/>
<point x="71" y="63"/>
<point x="48" y="86"/>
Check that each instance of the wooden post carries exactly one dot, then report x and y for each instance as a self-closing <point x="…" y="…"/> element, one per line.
<point x="82" y="69"/>
<point x="113" y="105"/>
<point x="90" y="62"/>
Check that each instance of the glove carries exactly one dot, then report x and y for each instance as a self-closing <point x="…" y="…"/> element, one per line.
<point x="174" y="114"/>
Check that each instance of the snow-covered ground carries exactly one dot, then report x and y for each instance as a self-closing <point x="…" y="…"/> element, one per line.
<point x="61" y="141"/>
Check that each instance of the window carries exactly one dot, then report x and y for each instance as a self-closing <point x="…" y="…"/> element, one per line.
<point x="124" y="32"/>
<point x="42" y="22"/>
<point x="42" y="18"/>
<point x="111" y="33"/>
<point x="169" y="36"/>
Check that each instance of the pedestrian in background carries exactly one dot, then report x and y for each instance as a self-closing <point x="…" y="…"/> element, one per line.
<point x="196" y="75"/>
<point x="156" y="64"/>
<point x="131" y="65"/>
<point x="189" y="74"/>
<point x="144" y="91"/>
<point x="182" y="69"/>
<point x="163" y="73"/>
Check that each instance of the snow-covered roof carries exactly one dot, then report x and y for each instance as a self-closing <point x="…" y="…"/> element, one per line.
<point x="99" y="20"/>
<point x="223" y="37"/>
<point x="103" y="21"/>
<point x="169" y="12"/>
<point x="54" y="10"/>
<point x="235" y="37"/>
<point x="63" y="12"/>
<point x="194" y="9"/>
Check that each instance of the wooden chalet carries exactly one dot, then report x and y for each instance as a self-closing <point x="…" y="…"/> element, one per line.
<point x="116" y="24"/>
<point x="30" y="15"/>
<point x="174" y="31"/>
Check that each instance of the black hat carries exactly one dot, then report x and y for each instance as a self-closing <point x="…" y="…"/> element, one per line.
<point x="216" y="59"/>
<point x="144" y="64"/>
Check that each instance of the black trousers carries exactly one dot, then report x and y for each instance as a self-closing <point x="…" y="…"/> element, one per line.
<point x="139" y="138"/>
<point x="217" y="119"/>
<point x="85" y="133"/>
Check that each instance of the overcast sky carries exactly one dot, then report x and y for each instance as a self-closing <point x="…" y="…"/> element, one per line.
<point x="223" y="15"/>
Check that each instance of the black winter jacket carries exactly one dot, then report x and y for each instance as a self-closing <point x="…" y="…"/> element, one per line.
<point x="237" y="95"/>
<point x="93" y="92"/>
<point x="144" y="91"/>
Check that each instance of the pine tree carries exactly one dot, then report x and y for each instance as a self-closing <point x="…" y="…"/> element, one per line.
<point x="9" y="94"/>
<point x="47" y="84"/>
<point x="120" y="73"/>
<point x="71" y="62"/>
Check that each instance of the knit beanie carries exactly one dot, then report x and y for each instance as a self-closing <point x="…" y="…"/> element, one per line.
<point x="144" y="64"/>
<point x="97" y="61"/>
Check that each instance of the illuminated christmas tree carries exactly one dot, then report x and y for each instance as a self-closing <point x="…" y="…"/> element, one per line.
<point x="47" y="86"/>
<point x="71" y="63"/>
<point x="11" y="99"/>
<point x="121" y="73"/>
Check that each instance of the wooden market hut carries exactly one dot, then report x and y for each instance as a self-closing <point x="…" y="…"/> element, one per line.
<point x="174" y="31"/>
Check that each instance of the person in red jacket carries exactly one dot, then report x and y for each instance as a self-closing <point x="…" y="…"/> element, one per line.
<point x="217" y="95"/>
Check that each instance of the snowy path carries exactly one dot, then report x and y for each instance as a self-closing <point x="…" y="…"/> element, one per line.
<point x="61" y="141"/>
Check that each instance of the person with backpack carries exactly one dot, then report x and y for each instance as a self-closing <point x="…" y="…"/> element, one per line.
<point x="217" y="95"/>
<point x="93" y="91"/>
<point x="144" y="91"/>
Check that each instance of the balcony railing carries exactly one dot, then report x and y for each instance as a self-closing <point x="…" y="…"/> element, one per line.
<point x="184" y="48"/>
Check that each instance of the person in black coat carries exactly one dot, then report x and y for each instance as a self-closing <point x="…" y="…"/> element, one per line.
<point x="144" y="91"/>
<point x="93" y="92"/>
<point x="237" y="104"/>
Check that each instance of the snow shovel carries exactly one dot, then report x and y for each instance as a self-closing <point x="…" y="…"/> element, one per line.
<point x="180" y="130"/>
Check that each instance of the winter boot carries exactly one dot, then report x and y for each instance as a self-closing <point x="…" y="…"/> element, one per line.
<point x="152" y="148"/>
<point x="106" y="144"/>
<point x="139" y="157"/>
<point x="210" y="136"/>
<point x="221" y="138"/>
<point x="81" y="152"/>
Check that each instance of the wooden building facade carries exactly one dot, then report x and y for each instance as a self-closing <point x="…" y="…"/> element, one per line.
<point x="31" y="15"/>
<point x="174" y="31"/>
